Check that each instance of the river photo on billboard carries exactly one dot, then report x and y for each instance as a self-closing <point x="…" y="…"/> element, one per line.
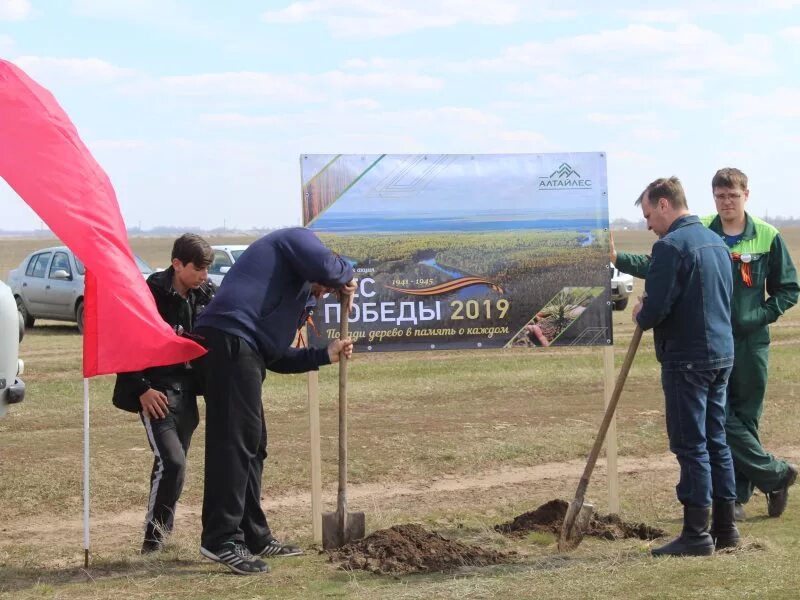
<point x="463" y="251"/>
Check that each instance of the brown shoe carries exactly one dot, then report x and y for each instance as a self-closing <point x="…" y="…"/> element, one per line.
<point x="777" y="499"/>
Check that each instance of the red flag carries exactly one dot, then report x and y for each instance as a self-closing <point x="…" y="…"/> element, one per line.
<point x="44" y="160"/>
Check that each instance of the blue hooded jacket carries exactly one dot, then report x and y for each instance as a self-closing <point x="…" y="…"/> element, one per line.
<point x="264" y="295"/>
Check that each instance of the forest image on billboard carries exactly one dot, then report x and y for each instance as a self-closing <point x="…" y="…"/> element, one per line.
<point x="464" y="251"/>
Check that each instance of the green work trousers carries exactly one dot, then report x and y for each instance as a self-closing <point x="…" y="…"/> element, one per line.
<point x="753" y="466"/>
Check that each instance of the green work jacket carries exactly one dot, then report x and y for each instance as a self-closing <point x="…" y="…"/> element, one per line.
<point x="774" y="288"/>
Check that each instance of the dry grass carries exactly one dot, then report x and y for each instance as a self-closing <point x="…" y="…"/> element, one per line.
<point x="457" y="441"/>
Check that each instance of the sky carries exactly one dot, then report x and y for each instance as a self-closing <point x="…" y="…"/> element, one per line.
<point x="200" y="110"/>
<point x="468" y="184"/>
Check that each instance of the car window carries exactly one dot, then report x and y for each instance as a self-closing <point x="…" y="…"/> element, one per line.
<point x="31" y="264"/>
<point x="144" y="268"/>
<point x="60" y="263"/>
<point x="221" y="259"/>
<point x="38" y="265"/>
<point x="237" y="254"/>
<point x="79" y="266"/>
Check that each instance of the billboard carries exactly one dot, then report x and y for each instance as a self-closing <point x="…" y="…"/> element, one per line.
<point x="460" y="251"/>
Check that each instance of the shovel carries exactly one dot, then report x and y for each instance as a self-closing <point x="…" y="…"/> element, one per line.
<point x="579" y="514"/>
<point x="341" y="527"/>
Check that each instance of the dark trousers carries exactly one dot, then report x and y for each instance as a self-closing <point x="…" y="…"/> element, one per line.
<point x="169" y="440"/>
<point x="753" y="465"/>
<point x="236" y="442"/>
<point x="695" y="410"/>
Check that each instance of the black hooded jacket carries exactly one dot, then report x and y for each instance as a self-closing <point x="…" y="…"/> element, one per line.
<point x="178" y="312"/>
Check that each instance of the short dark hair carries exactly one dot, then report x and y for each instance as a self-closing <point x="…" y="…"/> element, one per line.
<point x="729" y="177"/>
<point x="665" y="187"/>
<point x="191" y="248"/>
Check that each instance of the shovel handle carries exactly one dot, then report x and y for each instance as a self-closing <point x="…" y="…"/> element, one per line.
<point x="341" y="499"/>
<point x="612" y="406"/>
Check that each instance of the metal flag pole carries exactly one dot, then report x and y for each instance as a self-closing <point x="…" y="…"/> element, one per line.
<point x="86" y="472"/>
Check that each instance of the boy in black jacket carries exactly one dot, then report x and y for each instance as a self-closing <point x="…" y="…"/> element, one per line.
<point x="166" y="397"/>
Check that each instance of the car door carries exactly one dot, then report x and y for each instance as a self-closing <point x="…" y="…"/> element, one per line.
<point x="34" y="282"/>
<point x="60" y="292"/>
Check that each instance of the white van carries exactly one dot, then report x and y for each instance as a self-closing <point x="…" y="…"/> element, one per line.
<point x="12" y="388"/>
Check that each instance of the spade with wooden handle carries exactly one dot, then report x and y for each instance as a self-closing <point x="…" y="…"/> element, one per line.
<point x="341" y="527"/>
<point x="578" y="513"/>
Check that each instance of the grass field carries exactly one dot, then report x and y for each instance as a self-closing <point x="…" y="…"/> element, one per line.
<point x="456" y="441"/>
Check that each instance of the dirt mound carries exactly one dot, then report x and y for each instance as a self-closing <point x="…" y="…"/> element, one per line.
<point x="410" y="548"/>
<point x="549" y="517"/>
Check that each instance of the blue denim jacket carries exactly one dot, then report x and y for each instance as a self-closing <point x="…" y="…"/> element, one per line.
<point x="688" y="298"/>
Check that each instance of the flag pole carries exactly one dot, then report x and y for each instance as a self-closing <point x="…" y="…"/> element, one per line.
<point x="85" y="472"/>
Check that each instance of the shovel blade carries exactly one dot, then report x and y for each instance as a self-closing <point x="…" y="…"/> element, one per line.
<point x="332" y="534"/>
<point x="576" y="521"/>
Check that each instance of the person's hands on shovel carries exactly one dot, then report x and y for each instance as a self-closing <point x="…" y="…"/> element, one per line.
<point x="347" y="290"/>
<point x="336" y="347"/>
<point x="638" y="308"/>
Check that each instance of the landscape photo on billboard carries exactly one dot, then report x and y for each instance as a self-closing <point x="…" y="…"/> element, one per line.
<point x="464" y="251"/>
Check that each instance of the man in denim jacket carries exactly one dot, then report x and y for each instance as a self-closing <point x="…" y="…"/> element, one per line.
<point x="687" y="303"/>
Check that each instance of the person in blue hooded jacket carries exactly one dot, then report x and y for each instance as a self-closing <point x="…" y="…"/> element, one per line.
<point x="248" y="328"/>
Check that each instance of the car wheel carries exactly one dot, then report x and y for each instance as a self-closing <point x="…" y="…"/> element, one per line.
<point x="79" y="316"/>
<point x="621" y="304"/>
<point x="27" y="318"/>
<point x="21" y="326"/>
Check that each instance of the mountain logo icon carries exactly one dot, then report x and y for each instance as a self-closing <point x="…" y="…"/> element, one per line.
<point x="565" y="170"/>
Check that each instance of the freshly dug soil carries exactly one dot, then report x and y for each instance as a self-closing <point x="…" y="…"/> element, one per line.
<point x="549" y="517"/>
<point x="410" y="548"/>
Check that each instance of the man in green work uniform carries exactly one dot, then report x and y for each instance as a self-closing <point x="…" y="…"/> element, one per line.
<point x="760" y="262"/>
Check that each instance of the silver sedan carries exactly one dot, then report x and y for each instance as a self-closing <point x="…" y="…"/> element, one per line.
<point x="49" y="283"/>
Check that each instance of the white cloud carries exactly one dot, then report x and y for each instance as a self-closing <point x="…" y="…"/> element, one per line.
<point x="294" y="88"/>
<point x="791" y="34"/>
<point x="239" y="120"/>
<point x="116" y="145"/>
<point x="360" y="104"/>
<point x="239" y="84"/>
<point x="516" y="140"/>
<point x="782" y="103"/>
<point x="389" y="64"/>
<point x="6" y="45"/>
<point x="700" y="8"/>
<point x="126" y="10"/>
<point x="450" y="128"/>
<point x="683" y="48"/>
<point x="379" y="80"/>
<point x="607" y="90"/>
<point x="616" y="119"/>
<point x="176" y="16"/>
<point x="15" y="10"/>
<point x="72" y="70"/>
<point x="753" y="56"/>
<point x="656" y="16"/>
<point x="655" y="134"/>
<point x="356" y="106"/>
<point x="781" y="4"/>
<point x="376" y="18"/>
